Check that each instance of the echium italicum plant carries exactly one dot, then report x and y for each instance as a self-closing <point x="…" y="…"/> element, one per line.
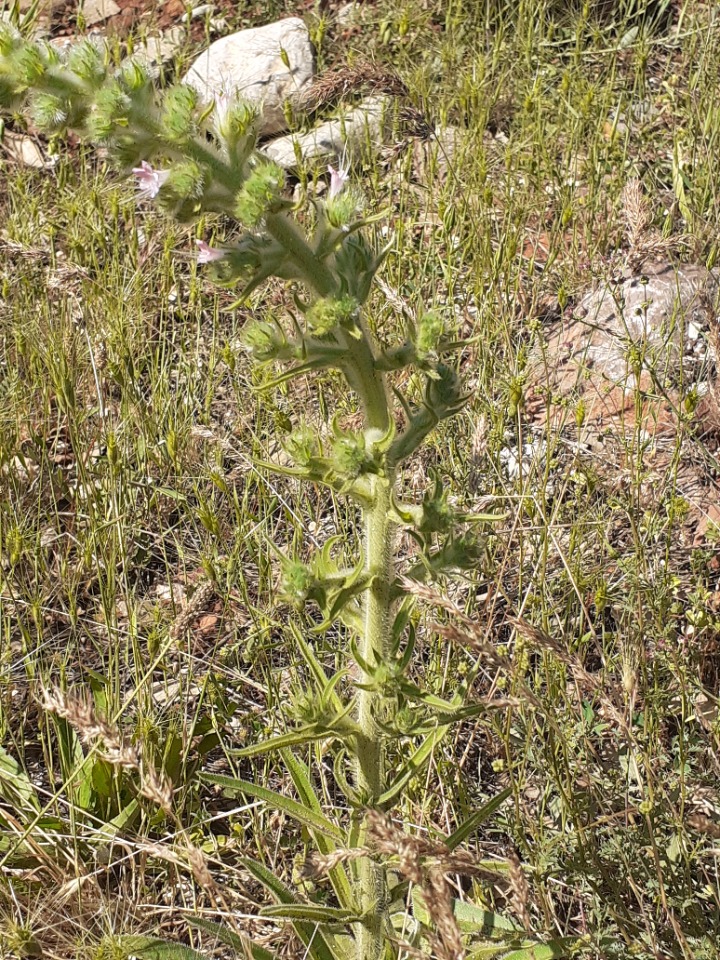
<point x="195" y="158"/>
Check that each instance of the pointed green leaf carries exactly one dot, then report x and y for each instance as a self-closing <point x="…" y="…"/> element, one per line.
<point x="315" y="941"/>
<point x="15" y="786"/>
<point x="301" y="778"/>
<point x="149" y="948"/>
<point x="412" y="766"/>
<point x="470" y="825"/>
<point x="297" y="811"/>
<point x="293" y="739"/>
<point x="243" y="945"/>
<point x="313" y="912"/>
<point x="470" y="918"/>
<point x="553" y="950"/>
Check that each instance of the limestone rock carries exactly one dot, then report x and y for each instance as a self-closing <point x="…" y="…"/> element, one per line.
<point x="351" y="136"/>
<point x="626" y="359"/>
<point x="267" y="65"/>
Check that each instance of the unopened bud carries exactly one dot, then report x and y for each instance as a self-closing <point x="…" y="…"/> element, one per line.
<point x="262" y="190"/>
<point x="429" y="332"/>
<point x="443" y="393"/>
<point x="133" y="75"/>
<point x="327" y="313"/>
<point x="49" y="113"/>
<point x="87" y="62"/>
<point x="264" y="340"/>
<point x="109" y="112"/>
<point x="348" y="455"/>
<point x="298" y="583"/>
<point x="185" y="181"/>
<point x="31" y="65"/>
<point x="344" y="207"/>
<point x="10" y="39"/>
<point x="303" y="446"/>
<point x="178" y="117"/>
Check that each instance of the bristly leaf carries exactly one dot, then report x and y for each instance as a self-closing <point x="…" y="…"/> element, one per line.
<point x="243" y="945"/>
<point x="469" y="826"/>
<point x="316" y="942"/>
<point x="150" y="948"/>
<point x="296" y="811"/>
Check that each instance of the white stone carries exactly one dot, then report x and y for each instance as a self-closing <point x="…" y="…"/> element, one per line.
<point x="199" y="11"/>
<point x="23" y="151"/>
<point x="95" y="11"/>
<point x="267" y="65"/>
<point x="353" y="136"/>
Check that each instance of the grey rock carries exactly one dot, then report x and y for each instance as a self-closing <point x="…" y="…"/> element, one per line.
<point x="352" y="136"/>
<point x="267" y="65"/>
<point x="650" y="314"/>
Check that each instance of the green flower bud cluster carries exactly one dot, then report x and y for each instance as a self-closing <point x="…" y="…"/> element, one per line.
<point x="261" y="194"/>
<point x="428" y="335"/>
<point x="178" y="121"/>
<point x="344" y="208"/>
<point x="300" y="584"/>
<point x="351" y="456"/>
<point x="303" y="445"/>
<point x="235" y="123"/>
<point x="323" y="710"/>
<point x="356" y="264"/>
<point x="328" y="313"/>
<point x="437" y="514"/>
<point x="443" y="393"/>
<point x="267" y="341"/>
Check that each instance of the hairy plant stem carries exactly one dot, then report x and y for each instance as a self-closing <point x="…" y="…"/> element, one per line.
<point x="364" y="377"/>
<point x="370" y="755"/>
<point x="374" y="644"/>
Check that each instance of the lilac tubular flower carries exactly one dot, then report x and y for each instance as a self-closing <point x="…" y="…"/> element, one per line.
<point x="149" y="180"/>
<point x="223" y="103"/>
<point x="338" y="179"/>
<point x="208" y="254"/>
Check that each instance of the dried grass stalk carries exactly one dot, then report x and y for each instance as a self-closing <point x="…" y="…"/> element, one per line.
<point x="92" y="729"/>
<point x="192" y="609"/>
<point x="643" y="242"/>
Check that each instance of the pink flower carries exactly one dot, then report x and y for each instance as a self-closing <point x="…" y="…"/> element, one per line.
<point x="206" y="253"/>
<point x="338" y="179"/>
<point x="149" y="180"/>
